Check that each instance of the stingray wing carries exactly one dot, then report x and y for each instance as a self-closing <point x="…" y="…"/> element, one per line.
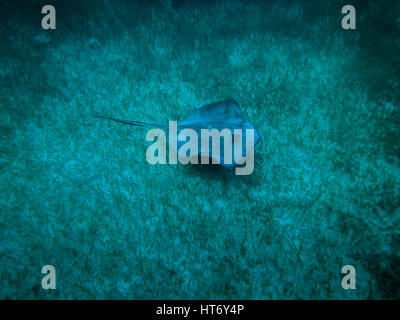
<point x="215" y="114"/>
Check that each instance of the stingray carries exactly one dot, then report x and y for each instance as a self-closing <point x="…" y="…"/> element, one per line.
<point x="219" y="115"/>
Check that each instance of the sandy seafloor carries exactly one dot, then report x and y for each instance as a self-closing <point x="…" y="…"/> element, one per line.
<point x="78" y="194"/>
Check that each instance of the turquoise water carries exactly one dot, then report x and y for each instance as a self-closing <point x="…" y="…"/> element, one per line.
<point x="77" y="193"/>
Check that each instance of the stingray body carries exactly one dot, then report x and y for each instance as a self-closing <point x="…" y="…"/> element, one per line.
<point x="219" y="115"/>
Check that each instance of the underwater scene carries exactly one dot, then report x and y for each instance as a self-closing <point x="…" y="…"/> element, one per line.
<point x="92" y="203"/>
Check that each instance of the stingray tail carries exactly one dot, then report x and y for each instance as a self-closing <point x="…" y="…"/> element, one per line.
<point x="132" y="123"/>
